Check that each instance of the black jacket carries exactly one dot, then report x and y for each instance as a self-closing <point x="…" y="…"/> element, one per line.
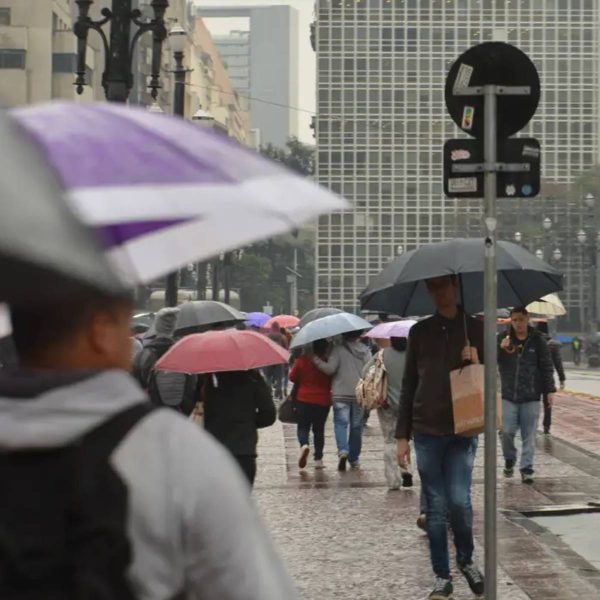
<point x="555" y="347"/>
<point x="233" y="411"/>
<point x="528" y="373"/>
<point x="435" y="348"/>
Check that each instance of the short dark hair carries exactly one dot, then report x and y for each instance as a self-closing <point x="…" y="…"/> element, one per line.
<point x="399" y="343"/>
<point x="521" y="310"/>
<point x="39" y="326"/>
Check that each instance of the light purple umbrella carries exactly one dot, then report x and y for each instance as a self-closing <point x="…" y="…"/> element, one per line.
<point x="257" y="319"/>
<point x="163" y="192"/>
<point x="391" y="329"/>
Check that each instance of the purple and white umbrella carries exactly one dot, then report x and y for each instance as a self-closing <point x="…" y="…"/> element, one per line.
<point x="391" y="329"/>
<point x="163" y="192"/>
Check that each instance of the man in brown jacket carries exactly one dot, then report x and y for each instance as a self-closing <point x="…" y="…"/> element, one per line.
<point x="436" y="346"/>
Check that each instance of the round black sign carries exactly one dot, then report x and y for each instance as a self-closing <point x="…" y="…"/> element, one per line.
<point x="492" y="63"/>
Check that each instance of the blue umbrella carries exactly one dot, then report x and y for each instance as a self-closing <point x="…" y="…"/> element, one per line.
<point x="257" y="319"/>
<point x="327" y="327"/>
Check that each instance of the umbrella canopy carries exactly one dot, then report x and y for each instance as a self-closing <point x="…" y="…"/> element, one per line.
<point x="256" y="319"/>
<point x="286" y="321"/>
<point x="141" y="322"/>
<point x="199" y="315"/>
<point x="154" y="185"/>
<point x="217" y="351"/>
<point x="400" y="288"/>
<point x="548" y="306"/>
<point x="391" y="329"/>
<point x="317" y="313"/>
<point x="40" y="238"/>
<point x="327" y="327"/>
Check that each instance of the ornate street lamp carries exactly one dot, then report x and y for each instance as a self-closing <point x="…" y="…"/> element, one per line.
<point x="581" y="237"/>
<point x="117" y="78"/>
<point x="539" y="253"/>
<point x="547" y="223"/>
<point x="518" y="237"/>
<point x="557" y="254"/>
<point x="590" y="200"/>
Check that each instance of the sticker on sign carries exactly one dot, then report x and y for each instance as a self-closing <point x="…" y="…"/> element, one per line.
<point x="468" y="116"/>
<point x="531" y="151"/>
<point x="462" y="185"/>
<point x="460" y="155"/>
<point x="463" y="77"/>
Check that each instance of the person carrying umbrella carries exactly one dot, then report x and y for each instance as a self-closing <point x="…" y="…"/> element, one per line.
<point x="436" y="346"/>
<point x="345" y="365"/>
<point x="236" y="405"/>
<point x="526" y="374"/>
<point x="313" y="401"/>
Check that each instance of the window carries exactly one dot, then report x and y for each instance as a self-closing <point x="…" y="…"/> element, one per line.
<point x="64" y="63"/>
<point x="12" y="59"/>
<point x="4" y="16"/>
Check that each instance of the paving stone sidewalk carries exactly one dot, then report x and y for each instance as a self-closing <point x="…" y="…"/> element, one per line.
<point x="344" y="535"/>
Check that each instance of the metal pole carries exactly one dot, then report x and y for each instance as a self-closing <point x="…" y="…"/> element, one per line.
<point x="581" y="292"/>
<point x="215" y="278"/>
<point x="117" y="76"/>
<point x="490" y="349"/>
<point x="294" y="286"/>
<point x="597" y="281"/>
<point x="172" y="285"/>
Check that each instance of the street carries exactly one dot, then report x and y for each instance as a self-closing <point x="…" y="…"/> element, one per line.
<point x="582" y="380"/>
<point x="344" y="535"/>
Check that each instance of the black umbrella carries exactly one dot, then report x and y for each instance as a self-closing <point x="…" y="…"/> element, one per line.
<point x="45" y="252"/>
<point x="317" y="313"/>
<point x="201" y="315"/>
<point x="400" y="287"/>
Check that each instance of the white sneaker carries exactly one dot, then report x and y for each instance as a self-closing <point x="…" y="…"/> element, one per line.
<point x="319" y="464"/>
<point x="304" y="452"/>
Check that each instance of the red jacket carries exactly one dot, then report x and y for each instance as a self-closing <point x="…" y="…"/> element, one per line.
<point x="314" y="387"/>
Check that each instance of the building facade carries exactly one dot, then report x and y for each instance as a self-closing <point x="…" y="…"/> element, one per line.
<point x="263" y="66"/>
<point x="37" y="53"/>
<point x="381" y="119"/>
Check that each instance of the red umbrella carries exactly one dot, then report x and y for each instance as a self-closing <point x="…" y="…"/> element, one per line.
<point x="287" y="321"/>
<point x="217" y="351"/>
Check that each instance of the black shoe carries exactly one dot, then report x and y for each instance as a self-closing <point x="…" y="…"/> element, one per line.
<point x="546" y="430"/>
<point x="342" y="462"/>
<point x="527" y="477"/>
<point x="407" y="480"/>
<point x="509" y="468"/>
<point x="442" y="589"/>
<point x="474" y="578"/>
<point x="422" y="522"/>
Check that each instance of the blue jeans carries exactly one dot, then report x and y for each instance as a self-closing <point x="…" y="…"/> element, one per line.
<point x="312" y="416"/>
<point x="523" y="416"/>
<point x="445" y="466"/>
<point x="348" y="426"/>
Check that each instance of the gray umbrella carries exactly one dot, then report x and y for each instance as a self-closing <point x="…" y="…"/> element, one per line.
<point x="400" y="287"/>
<point x="317" y="313"/>
<point x="201" y="315"/>
<point x="44" y="249"/>
<point x="327" y="327"/>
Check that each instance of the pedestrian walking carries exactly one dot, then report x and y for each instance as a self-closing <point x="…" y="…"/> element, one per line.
<point x="312" y="390"/>
<point x="276" y="373"/>
<point x="392" y="357"/>
<point x="344" y="365"/>
<point x="236" y="405"/>
<point x="576" y="344"/>
<point x="554" y="347"/>
<point x="175" y="390"/>
<point x="437" y="346"/>
<point x="128" y="501"/>
<point x="526" y="374"/>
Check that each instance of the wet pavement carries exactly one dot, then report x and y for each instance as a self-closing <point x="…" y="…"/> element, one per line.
<point x="344" y="535"/>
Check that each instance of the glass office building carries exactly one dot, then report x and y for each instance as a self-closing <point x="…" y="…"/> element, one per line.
<point x="381" y="120"/>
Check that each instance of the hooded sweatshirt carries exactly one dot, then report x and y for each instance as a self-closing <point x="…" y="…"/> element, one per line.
<point x="345" y="365"/>
<point x="191" y="523"/>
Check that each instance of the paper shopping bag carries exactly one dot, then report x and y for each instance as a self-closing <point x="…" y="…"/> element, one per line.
<point x="467" y="385"/>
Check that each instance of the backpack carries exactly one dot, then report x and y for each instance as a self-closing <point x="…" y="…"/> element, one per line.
<point x="371" y="390"/>
<point x="63" y="518"/>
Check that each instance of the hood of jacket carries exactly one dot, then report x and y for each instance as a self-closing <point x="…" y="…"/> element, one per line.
<point x="42" y="409"/>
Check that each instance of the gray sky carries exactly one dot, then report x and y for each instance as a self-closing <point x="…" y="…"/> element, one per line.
<point x="307" y="56"/>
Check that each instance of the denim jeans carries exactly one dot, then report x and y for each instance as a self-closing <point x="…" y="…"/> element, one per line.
<point x="523" y="416"/>
<point x="445" y="466"/>
<point x="312" y="416"/>
<point x="348" y="427"/>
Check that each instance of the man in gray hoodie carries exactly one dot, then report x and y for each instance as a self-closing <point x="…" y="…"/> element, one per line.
<point x="345" y="365"/>
<point x="191" y="527"/>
